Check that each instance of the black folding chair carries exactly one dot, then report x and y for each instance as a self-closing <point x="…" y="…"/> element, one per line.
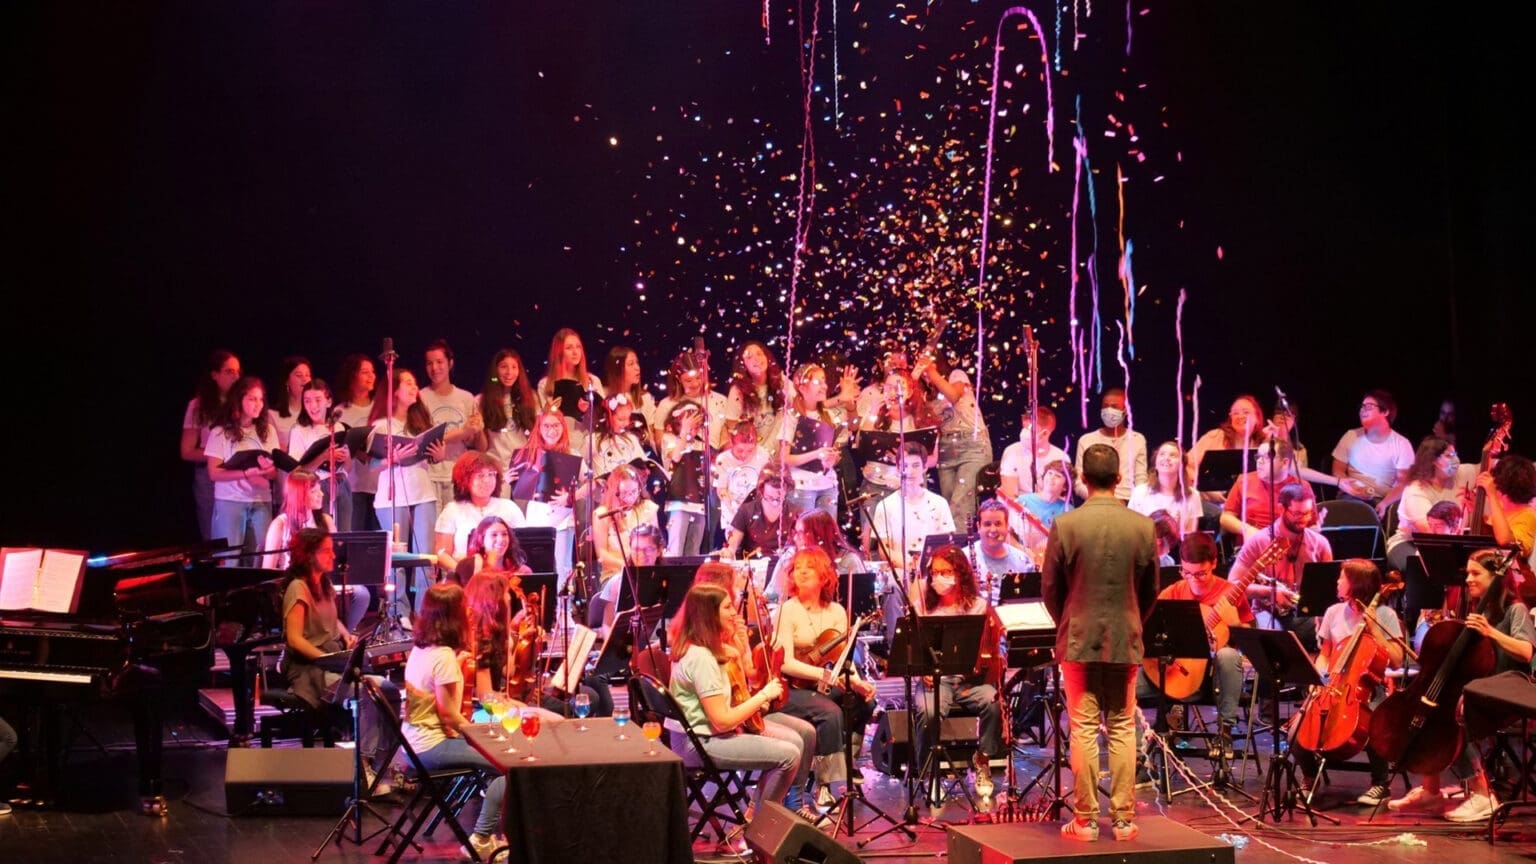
<point x="721" y="795"/>
<point x="434" y="790"/>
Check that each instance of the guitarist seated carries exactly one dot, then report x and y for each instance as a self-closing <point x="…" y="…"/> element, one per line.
<point x="811" y="629"/>
<point x="1224" y="607"/>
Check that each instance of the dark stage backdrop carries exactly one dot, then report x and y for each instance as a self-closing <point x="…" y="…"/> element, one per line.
<point x="295" y="177"/>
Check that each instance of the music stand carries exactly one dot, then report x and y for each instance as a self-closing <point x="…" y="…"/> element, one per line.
<point x="1352" y="541"/>
<point x="359" y="801"/>
<point x="1319" y="587"/>
<point x="863" y="601"/>
<point x="1219" y="469"/>
<point x="672" y="581"/>
<point x="620" y="646"/>
<point x="1174" y="631"/>
<point x="544" y="583"/>
<point x="1018" y="587"/>
<point x="1443" y="558"/>
<point x="1167" y="576"/>
<point x="942" y="645"/>
<point x="538" y="545"/>
<point x="934" y="541"/>
<point x="1277" y="656"/>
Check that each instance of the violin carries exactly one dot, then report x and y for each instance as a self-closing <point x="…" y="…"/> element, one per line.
<point x="740" y="693"/>
<point x="829" y="641"/>
<point x="1335" y="719"/>
<point x="767" y="658"/>
<point x="526" y="642"/>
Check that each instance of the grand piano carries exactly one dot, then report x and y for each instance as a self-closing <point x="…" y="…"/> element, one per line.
<point x="142" y="631"/>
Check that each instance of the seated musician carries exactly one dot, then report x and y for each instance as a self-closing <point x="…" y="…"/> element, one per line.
<point x="496" y="634"/>
<point x="733" y="581"/>
<point x="1016" y="468"/>
<point x="1506" y="622"/>
<point x="303" y="496"/>
<point x="624" y="506"/>
<point x="1038" y="510"/>
<point x="809" y="615"/>
<point x="1359" y="582"/>
<point x="1247" y="510"/>
<point x="491" y="547"/>
<point x="311" y="630"/>
<point x="434" y="698"/>
<point x="815" y="529"/>
<point x="1224" y="675"/>
<point x="1510" y="486"/>
<point x="762" y="522"/>
<point x="1371" y="461"/>
<point x="911" y="512"/>
<point x="703" y="637"/>
<point x="1274" y="597"/>
<point x="644" y="547"/>
<point x="950" y="589"/>
<point x="992" y="552"/>
<point x="1431" y="481"/>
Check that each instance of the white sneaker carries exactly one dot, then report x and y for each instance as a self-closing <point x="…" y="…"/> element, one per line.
<point x="1475" y="808"/>
<point x="1418" y="798"/>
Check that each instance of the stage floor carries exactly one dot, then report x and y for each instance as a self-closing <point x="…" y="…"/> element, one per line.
<point x="98" y="822"/>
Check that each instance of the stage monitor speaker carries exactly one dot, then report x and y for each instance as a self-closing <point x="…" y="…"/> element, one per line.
<point x="288" y="782"/>
<point x="780" y="837"/>
<point x="893" y="738"/>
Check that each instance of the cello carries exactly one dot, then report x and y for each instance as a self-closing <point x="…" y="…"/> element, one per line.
<point x="1335" y="720"/>
<point x="1415" y="729"/>
<point x="1497" y="443"/>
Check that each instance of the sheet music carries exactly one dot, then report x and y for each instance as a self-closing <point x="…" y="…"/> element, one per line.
<point x="568" y="675"/>
<point x="59" y="581"/>
<point x="1028" y="615"/>
<point x="20" y="575"/>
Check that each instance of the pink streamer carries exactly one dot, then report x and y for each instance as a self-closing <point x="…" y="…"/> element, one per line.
<point x="1130" y="423"/>
<point x="986" y="186"/>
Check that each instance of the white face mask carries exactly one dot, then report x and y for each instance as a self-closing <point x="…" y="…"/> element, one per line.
<point x="943" y="585"/>
<point x="1112" y="417"/>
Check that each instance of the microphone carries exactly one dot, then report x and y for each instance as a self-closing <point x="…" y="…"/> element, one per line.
<point x="604" y="512"/>
<point x="336" y="413"/>
<point x="388" y="355"/>
<point x="1029" y="336"/>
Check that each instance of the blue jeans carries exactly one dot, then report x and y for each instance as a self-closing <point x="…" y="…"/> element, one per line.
<point x="960" y="458"/>
<point x="456" y="753"/>
<point x="779" y="753"/>
<point x="244" y="525"/>
<point x="565" y="539"/>
<point x="1223" y="683"/>
<point x="685" y="533"/>
<point x="978" y="700"/>
<point x="801" y="501"/>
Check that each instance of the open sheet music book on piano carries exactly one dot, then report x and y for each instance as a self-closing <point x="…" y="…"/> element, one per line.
<point x="41" y="580"/>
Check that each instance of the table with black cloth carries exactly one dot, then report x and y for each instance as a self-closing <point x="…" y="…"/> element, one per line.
<point x="590" y="797"/>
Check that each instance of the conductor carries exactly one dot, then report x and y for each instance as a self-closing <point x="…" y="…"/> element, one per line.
<point x="1099" y="581"/>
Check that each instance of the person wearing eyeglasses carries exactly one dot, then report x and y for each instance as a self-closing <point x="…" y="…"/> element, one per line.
<point x="1274" y="597"/>
<point x="1249" y="507"/>
<point x="1224" y="675"/>
<point x="1372" y="461"/>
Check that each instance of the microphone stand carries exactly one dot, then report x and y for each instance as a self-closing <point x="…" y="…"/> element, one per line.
<point x="388" y="358"/>
<point x="1032" y="354"/>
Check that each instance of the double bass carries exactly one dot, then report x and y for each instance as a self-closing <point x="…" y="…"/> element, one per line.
<point x="1497" y="443"/>
<point x="1335" y="719"/>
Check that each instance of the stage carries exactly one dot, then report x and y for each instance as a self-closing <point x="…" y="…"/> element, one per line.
<point x="96" y="821"/>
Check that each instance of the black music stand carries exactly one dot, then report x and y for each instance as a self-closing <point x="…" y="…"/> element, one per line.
<point x="863" y="601"/>
<point x="1319" y="588"/>
<point x="1277" y="655"/>
<point x="1219" y="469"/>
<point x="1444" y="556"/>
<point x="358" y="803"/>
<point x="942" y="645"/>
<point x="631" y="631"/>
<point x="1015" y="587"/>
<point x="1174" y="631"/>
<point x="671" y="580"/>
<point x="538" y="545"/>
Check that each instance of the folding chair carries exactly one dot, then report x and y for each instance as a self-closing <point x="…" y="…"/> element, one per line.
<point x="433" y="790"/>
<point x="654" y="703"/>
